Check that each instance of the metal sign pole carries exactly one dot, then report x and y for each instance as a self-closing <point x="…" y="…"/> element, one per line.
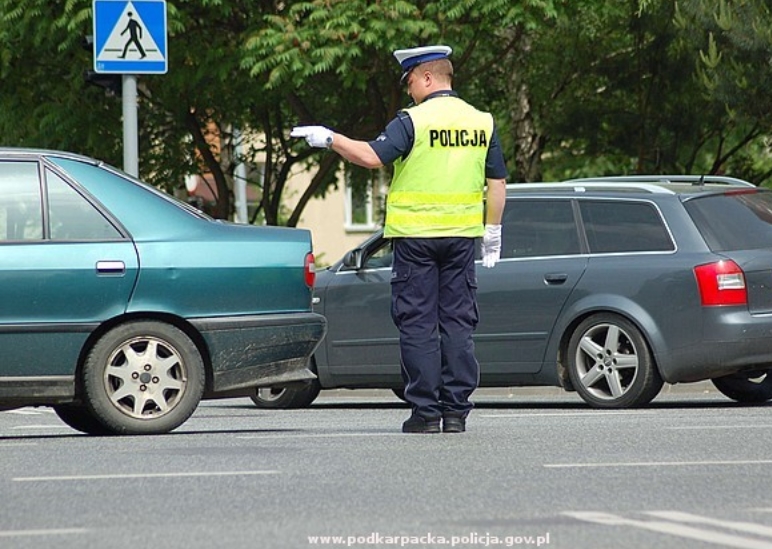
<point x="240" y="179"/>
<point x="130" y="126"/>
<point x="130" y="39"/>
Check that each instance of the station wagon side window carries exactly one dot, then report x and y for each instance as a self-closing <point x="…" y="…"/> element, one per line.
<point x="537" y="228"/>
<point x="72" y="217"/>
<point x="20" y="209"/>
<point x="615" y="226"/>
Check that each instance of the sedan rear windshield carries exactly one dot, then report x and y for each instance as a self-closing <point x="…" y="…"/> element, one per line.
<point x="734" y="221"/>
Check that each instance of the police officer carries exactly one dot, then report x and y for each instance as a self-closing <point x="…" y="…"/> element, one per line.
<point x="444" y="151"/>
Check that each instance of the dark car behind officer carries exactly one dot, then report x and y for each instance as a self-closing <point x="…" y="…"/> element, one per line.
<point x="444" y="152"/>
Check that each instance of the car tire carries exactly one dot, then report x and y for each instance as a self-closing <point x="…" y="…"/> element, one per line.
<point x="80" y="418"/>
<point x="143" y="377"/>
<point x="286" y="398"/>
<point x="746" y="387"/>
<point x="610" y="365"/>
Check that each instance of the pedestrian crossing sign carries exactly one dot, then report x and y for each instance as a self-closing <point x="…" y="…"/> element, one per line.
<point x="130" y="36"/>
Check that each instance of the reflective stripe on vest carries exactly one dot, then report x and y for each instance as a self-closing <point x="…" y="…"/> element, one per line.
<point x="438" y="189"/>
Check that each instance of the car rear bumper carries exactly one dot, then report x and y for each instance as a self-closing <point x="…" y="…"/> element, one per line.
<point x="260" y="350"/>
<point x="732" y="341"/>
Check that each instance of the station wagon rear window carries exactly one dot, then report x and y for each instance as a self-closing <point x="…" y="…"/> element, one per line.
<point x="733" y="221"/>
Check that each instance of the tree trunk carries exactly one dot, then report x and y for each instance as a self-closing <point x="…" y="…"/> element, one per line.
<point x="222" y="208"/>
<point x="528" y="143"/>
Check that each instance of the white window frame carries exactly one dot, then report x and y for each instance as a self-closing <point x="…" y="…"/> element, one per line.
<point x="373" y="207"/>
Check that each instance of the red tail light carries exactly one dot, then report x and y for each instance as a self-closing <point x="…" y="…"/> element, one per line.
<point x="310" y="270"/>
<point x="721" y="283"/>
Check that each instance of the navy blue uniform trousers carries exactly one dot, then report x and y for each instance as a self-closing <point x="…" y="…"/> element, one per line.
<point x="434" y="307"/>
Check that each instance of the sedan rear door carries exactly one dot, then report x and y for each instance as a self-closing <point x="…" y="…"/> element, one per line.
<point x="64" y="267"/>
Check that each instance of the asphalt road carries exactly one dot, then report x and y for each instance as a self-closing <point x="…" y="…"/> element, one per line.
<point x="534" y="469"/>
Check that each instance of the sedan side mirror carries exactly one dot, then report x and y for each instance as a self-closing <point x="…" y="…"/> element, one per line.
<point x="353" y="259"/>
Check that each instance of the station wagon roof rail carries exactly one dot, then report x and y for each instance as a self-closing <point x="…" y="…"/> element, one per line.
<point x="693" y="179"/>
<point x="582" y="185"/>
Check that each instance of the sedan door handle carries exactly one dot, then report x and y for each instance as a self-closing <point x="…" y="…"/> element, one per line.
<point x="555" y="278"/>
<point x="111" y="267"/>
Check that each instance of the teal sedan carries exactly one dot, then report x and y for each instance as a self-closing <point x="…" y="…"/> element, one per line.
<point x="122" y="307"/>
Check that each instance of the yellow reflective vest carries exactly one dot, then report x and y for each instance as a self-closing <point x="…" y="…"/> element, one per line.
<point x="437" y="190"/>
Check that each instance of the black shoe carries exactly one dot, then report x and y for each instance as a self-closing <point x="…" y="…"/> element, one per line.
<point x="453" y="424"/>
<point x="419" y="424"/>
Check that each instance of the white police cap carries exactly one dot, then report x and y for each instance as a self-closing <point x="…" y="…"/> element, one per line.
<point x="410" y="58"/>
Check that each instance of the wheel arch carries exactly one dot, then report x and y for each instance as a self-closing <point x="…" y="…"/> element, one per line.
<point x="292" y="396"/>
<point x="166" y="318"/>
<point x="599" y="304"/>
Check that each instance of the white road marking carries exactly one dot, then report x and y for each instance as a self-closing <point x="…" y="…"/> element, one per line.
<point x="320" y="435"/>
<point x="733" y="427"/>
<point x="22" y="427"/>
<point x="673" y="529"/>
<point x="145" y="475"/>
<point x="51" y="532"/>
<point x="599" y="414"/>
<point x="749" y="527"/>
<point x="28" y="411"/>
<point x="606" y="464"/>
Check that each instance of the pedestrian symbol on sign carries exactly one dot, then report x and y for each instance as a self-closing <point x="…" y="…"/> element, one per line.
<point x="135" y="34"/>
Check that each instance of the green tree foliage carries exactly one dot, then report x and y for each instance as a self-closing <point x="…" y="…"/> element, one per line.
<point x="614" y="89"/>
<point x="186" y="117"/>
<point x="735" y="51"/>
<point x="336" y="55"/>
<point x="44" y="100"/>
<point x="577" y="88"/>
<point x="734" y="72"/>
<point x="616" y="100"/>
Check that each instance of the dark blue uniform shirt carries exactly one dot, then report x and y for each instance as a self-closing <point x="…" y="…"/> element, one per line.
<point x="397" y="141"/>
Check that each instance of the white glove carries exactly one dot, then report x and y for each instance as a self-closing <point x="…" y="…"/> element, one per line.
<point x="491" y="245"/>
<point x="316" y="136"/>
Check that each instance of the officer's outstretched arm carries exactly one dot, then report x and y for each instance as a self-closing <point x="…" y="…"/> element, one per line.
<point x="357" y="152"/>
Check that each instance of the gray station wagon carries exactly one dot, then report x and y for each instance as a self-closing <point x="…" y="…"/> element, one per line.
<point x="608" y="287"/>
